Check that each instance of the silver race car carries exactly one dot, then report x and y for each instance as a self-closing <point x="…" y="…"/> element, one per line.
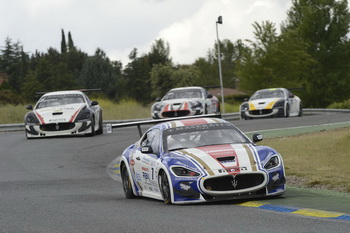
<point x="185" y="101"/>
<point x="63" y="113"/>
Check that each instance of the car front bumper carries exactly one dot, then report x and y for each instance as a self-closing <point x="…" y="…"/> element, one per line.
<point x="58" y="129"/>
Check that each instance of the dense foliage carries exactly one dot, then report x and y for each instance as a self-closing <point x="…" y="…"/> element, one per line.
<point x="311" y="51"/>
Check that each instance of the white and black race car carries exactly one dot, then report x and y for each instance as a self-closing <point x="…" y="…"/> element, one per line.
<point x="63" y="113"/>
<point x="272" y="102"/>
<point x="185" y="101"/>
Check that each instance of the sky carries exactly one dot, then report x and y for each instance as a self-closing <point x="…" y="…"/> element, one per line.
<point x="119" y="26"/>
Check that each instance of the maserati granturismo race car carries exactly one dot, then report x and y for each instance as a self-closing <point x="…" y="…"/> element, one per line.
<point x="63" y="113"/>
<point x="198" y="160"/>
<point x="185" y="101"/>
<point x="273" y="102"/>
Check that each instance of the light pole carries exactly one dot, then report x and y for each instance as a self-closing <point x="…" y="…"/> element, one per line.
<point x="219" y="61"/>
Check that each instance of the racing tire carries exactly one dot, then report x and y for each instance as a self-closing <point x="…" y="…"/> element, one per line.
<point x="164" y="188"/>
<point x="300" y="111"/>
<point x="93" y="132"/>
<point x="287" y="111"/>
<point x="100" y="125"/>
<point x="129" y="194"/>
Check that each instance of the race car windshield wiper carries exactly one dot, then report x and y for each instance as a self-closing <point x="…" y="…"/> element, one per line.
<point x="180" y="148"/>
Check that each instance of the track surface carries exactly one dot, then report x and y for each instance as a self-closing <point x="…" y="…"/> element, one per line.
<point x="61" y="185"/>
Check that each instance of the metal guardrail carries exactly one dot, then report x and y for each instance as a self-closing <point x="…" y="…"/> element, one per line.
<point x="226" y="116"/>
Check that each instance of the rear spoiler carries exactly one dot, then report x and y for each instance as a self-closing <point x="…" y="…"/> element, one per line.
<point x="82" y="90"/>
<point x="110" y="127"/>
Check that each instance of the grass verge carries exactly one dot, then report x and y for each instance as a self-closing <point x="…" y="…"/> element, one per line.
<point x="316" y="160"/>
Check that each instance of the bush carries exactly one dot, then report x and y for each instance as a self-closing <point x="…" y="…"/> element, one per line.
<point x="340" y="105"/>
<point x="10" y="97"/>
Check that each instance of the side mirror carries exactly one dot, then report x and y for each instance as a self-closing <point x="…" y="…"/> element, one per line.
<point x="257" y="137"/>
<point x="146" y="149"/>
<point x="246" y="99"/>
<point x="30" y="107"/>
<point x="209" y="96"/>
<point x="158" y="99"/>
<point x="94" y="103"/>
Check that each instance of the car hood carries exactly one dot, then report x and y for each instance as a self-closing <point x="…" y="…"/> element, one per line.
<point x="221" y="159"/>
<point x="176" y="104"/>
<point x="262" y="103"/>
<point x="56" y="114"/>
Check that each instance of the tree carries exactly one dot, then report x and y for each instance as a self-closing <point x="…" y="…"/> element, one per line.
<point x="71" y="46"/>
<point x="323" y="25"/>
<point x="273" y="60"/>
<point x="63" y="43"/>
<point x="137" y="74"/>
<point x="13" y="62"/>
<point x="98" y="72"/>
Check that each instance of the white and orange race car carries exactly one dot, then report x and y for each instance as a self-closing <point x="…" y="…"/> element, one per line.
<point x="63" y="113"/>
<point x="185" y="101"/>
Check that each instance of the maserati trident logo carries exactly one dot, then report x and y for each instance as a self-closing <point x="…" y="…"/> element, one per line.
<point x="234" y="183"/>
<point x="57" y="127"/>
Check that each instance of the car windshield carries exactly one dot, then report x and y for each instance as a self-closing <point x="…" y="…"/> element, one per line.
<point x="57" y="100"/>
<point x="267" y="94"/>
<point x="183" y="94"/>
<point x="202" y="135"/>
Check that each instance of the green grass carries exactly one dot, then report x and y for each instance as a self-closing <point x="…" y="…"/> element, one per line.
<point x="319" y="160"/>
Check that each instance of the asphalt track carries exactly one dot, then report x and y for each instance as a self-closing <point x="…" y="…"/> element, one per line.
<point x="61" y="185"/>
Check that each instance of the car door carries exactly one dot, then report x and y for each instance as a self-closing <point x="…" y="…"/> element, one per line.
<point x="147" y="162"/>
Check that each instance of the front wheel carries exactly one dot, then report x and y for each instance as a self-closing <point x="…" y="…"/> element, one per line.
<point x="100" y="125"/>
<point x="287" y="111"/>
<point x="165" y="188"/>
<point x="127" y="183"/>
<point x="300" y="111"/>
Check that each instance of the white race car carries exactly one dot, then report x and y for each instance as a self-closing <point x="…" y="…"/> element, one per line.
<point x="185" y="101"/>
<point x="273" y="102"/>
<point x="63" y="113"/>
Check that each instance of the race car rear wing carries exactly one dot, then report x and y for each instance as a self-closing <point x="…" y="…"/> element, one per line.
<point x="110" y="127"/>
<point x="82" y="90"/>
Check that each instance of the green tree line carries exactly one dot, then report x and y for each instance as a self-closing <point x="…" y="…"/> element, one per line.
<point x="310" y="51"/>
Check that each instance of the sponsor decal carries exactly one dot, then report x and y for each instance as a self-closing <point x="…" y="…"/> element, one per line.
<point x="132" y="162"/>
<point x="145" y="169"/>
<point x="237" y="169"/>
<point x="57" y="120"/>
<point x="138" y="176"/>
<point x="146" y="160"/>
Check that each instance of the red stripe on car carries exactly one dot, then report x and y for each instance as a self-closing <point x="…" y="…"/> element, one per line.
<point x="198" y="121"/>
<point x="41" y="119"/>
<point x="220" y="151"/>
<point x="75" y="114"/>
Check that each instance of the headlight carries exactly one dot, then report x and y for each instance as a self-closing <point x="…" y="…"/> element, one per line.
<point x="32" y="119"/>
<point x="158" y="107"/>
<point x="279" y="104"/>
<point x="196" y="104"/>
<point x="244" y="106"/>
<point x="83" y="115"/>
<point x="181" y="171"/>
<point x="274" y="161"/>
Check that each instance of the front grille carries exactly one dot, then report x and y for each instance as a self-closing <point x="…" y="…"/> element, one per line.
<point x="229" y="183"/>
<point x="57" y="127"/>
<point x="260" y="112"/>
<point x="179" y="113"/>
